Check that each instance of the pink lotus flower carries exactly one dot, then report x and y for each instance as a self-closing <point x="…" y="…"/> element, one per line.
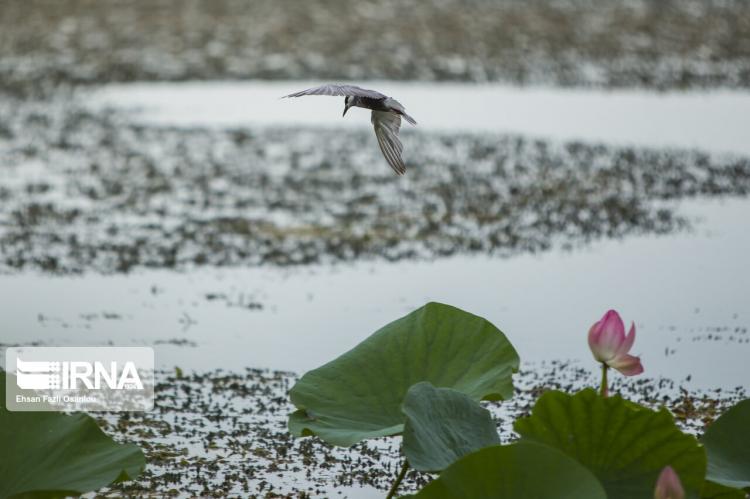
<point x="668" y="486"/>
<point x="610" y="346"/>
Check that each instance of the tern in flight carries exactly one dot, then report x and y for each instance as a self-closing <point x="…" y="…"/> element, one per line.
<point x="386" y="116"/>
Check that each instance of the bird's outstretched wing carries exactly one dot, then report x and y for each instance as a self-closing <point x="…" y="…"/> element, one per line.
<point x="387" y="125"/>
<point x="340" y="90"/>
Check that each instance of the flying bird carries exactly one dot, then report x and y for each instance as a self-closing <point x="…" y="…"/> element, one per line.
<point x="386" y="116"/>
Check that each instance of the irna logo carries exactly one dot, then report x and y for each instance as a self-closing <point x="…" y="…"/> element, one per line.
<point x="74" y="375"/>
<point x="79" y="378"/>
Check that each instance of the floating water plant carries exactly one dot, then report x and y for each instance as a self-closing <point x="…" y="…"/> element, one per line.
<point x="360" y="394"/>
<point x="52" y="455"/>
<point x="521" y="470"/>
<point x="624" y="444"/>
<point x="727" y="443"/>
<point x="424" y="375"/>
<point x="442" y="425"/>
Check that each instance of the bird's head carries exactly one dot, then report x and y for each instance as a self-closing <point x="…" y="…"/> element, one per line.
<point x="348" y="102"/>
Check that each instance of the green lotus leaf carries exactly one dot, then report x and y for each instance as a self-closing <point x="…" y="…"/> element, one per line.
<point x="626" y="447"/>
<point x="49" y="454"/>
<point x="522" y="470"/>
<point x="713" y="490"/>
<point x="727" y="443"/>
<point x="443" y="425"/>
<point x="359" y="394"/>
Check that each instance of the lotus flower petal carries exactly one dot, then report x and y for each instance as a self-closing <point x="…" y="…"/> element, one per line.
<point x="629" y="365"/>
<point x="627" y="344"/>
<point x="606" y="336"/>
<point x="611" y="346"/>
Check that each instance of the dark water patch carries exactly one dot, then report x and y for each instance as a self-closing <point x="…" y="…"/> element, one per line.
<point x="119" y="196"/>
<point x="644" y="43"/>
<point x="246" y="301"/>
<point x="178" y="342"/>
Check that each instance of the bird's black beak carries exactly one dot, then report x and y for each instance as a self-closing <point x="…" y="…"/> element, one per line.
<point x="346" y="108"/>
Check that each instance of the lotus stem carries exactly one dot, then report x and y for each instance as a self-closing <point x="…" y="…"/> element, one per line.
<point x="401" y="475"/>
<point x="603" y="390"/>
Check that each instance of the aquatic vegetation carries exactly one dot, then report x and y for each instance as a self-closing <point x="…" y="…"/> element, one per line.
<point x="442" y="425"/>
<point x="423" y="376"/>
<point x="515" y="471"/>
<point x="625" y="445"/>
<point x="50" y="454"/>
<point x="691" y="43"/>
<point x="117" y="196"/>
<point x="360" y="394"/>
<point x="727" y="443"/>
<point x="91" y="192"/>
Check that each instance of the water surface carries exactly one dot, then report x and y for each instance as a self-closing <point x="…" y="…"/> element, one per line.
<point x="712" y="120"/>
<point x="684" y="284"/>
<point x="687" y="294"/>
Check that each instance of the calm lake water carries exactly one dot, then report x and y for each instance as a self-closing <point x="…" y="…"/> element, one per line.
<point x="715" y="120"/>
<point x="686" y="292"/>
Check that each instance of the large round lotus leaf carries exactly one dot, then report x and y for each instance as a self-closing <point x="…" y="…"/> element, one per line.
<point x="359" y="395"/>
<point x="727" y="443"/>
<point x="49" y="454"/>
<point x="626" y="446"/>
<point x="713" y="490"/>
<point x="443" y="425"/>
<point x="520" y="471"/>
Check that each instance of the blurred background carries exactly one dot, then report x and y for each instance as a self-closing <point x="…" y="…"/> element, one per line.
<point x="647" y="43"/>
<point x="571" y="156"/>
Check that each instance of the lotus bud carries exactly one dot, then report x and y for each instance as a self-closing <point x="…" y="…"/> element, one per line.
<point x="668" y="486"/>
